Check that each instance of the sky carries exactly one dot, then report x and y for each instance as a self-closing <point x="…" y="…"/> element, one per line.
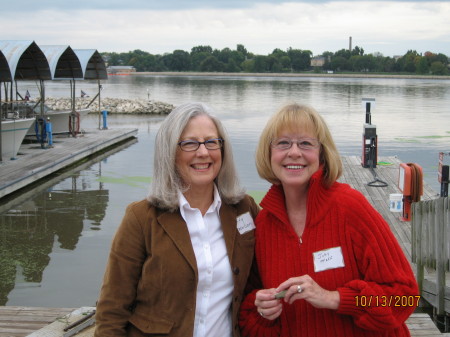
<point x="162" y="26"/>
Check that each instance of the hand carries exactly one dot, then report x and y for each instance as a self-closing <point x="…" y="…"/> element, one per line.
<point x="266" y="304"/>
<point x="304" y="287"/>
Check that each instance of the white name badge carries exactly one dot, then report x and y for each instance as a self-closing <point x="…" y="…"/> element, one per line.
<point x="328" y="259"/>
<point x="245" y="223"/>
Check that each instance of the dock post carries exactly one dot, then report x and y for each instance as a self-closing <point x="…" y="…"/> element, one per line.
<point x="443" y="174"/>
<point x="105" y="114"/>
<point x="48" y="129"/>
<point x="14" y="140"/>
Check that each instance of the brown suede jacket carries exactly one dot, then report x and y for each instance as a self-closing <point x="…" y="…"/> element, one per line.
<point x="150" y="283"/>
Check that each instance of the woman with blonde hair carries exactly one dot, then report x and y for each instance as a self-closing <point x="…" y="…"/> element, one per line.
<point x="328" y="262"/>
<point x="180" y="259"/>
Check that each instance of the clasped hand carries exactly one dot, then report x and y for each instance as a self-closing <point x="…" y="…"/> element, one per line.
<point x="297" y="288"/>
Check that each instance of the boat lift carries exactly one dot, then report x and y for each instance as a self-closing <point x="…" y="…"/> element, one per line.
<point x="94" y="68"/>
<point x="5" y="76"/>
<point x="25" y="60"/>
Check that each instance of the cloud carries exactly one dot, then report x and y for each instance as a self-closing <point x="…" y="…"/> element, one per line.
<point x="391" y="28"/>
<point x="33" y="5"/>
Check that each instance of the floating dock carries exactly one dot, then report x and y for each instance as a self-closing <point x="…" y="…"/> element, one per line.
<point x="34" y="162"/>
<point x="24" y="321"/>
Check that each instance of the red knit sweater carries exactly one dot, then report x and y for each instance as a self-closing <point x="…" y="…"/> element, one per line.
<point x="375" y="270"/>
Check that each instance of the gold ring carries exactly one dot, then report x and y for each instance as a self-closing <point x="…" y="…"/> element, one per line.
<point x="299" y="288"/>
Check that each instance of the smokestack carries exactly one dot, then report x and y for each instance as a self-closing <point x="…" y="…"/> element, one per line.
<point x="350" y="44"/>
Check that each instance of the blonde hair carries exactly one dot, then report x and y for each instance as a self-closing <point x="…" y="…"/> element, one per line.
<point x="294" y="116"/>
<point x="166" y="180"/>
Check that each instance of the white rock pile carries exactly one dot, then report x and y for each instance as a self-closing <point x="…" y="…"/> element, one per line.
<point x="112" y="105"/>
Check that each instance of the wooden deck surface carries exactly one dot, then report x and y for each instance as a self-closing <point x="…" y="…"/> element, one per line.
<point x="22" y="321"/>
<point x="358" y="177"/>
<point x="34" y="163"/>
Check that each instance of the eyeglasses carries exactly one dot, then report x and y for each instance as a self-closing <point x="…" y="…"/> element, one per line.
<point x="302" y="143"/>
<point x="193" y="145"/>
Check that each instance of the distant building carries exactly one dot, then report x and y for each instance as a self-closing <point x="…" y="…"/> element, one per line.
<point x="318" y="61"/>
<point x="120" y="70"/>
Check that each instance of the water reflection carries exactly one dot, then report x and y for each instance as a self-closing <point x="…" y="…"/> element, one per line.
<point x="50" y="216"/>
<point x="28" y="232"/>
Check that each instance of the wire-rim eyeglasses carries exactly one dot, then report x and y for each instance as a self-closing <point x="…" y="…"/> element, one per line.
<point x="302" y="143"/>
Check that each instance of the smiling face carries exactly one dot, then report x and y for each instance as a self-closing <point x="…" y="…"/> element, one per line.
<point x="294" y="167"/>
<point x="199" y="168"/>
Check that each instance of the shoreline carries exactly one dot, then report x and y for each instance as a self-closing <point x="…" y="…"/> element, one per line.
<point x="337" y="75"/>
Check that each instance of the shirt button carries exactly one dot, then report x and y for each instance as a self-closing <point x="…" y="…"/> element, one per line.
<point x="236" y="270"/>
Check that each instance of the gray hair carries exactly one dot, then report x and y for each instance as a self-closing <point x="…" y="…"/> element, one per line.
<point x="166" y="180"/>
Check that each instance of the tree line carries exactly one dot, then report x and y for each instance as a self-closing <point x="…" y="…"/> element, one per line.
<point x="207" y="59"/>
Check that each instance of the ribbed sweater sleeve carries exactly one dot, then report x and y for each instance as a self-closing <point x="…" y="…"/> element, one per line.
<point x="387" y="282"/>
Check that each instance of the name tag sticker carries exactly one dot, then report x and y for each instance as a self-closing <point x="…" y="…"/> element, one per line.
<point x="245" y="223"/>
<point x="328" y="259"/>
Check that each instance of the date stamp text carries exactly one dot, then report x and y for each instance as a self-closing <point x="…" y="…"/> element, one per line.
<point x="387" y="300"/>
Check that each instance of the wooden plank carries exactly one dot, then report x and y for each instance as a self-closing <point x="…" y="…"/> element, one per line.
<point x="22" y="321"/>
<point x="441" y="259"/>
<point x="431" y="249"/>
<point x="56" y="328"/>
<point x="419" y="324"/>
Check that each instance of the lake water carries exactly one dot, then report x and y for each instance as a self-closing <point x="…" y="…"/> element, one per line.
<point x="56" y="238"/>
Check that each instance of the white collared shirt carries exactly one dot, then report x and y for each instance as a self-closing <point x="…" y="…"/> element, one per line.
<point x="215" y="279"/>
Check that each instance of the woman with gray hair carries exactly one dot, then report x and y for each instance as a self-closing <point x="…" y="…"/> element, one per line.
<point x="180" y="259"/>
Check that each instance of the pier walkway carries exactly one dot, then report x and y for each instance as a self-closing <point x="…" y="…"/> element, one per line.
<point x="33" y="163"/>
<point x="23" y="321"/>
<point x="358" y="178"/>
<point x="50" y="322"/>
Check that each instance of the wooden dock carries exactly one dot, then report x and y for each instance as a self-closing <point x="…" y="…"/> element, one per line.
<point x="358" y="177"/>
<point x="35" y="321"/>
<point x="34" y="162"/>
<point x="22" y="321"/>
